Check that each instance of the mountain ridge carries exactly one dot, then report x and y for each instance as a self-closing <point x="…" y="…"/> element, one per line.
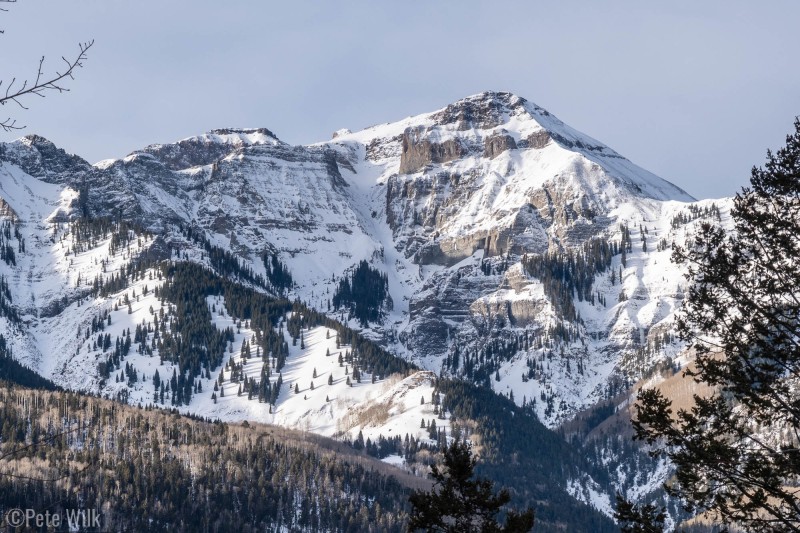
<point x="488" y="197"/>
<point x="525" y="258"/>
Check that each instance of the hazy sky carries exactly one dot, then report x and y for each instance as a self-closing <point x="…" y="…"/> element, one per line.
<point x="693" y="91"/>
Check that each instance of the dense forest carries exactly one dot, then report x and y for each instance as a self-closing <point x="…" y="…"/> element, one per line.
<point x="518" y="452"/>
<point x="9" y="232"/>
<point x="12" y="370"/>
<point x="569" y="275"/>
<point x="364" y="293"/>
<point x="278" y="273"/>
<point x="150" y="469"/>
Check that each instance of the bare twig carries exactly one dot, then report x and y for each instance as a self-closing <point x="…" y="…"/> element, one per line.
<point x="4" y="9"/>
<point x="40" y="86"/>
<point x="10" y="124"/>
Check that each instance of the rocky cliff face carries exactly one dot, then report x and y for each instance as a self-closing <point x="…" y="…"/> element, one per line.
<point x="419" y="151"/>
<point x="208" y="148"/>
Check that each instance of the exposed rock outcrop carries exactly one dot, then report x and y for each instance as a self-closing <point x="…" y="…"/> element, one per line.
<point x="538" y="139"/>
<point x="208" y="148"/>
<point x="495" y="145"/>
<point x="419" y="151"/>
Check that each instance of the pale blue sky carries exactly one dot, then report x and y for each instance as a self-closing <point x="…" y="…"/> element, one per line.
<point x="693" y="91"/>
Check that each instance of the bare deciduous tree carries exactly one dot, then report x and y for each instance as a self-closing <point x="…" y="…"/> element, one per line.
<point x="18" y="90"/>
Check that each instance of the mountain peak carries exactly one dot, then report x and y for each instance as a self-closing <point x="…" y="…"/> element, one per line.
<point x="41" y="158"/>
<point x="505" y="98"/>
<point x="36" y="140"/>
<point x="491" y="123"/>
<point x="483" y="110"/>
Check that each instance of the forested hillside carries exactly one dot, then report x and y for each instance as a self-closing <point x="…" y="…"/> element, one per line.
<point x="149" y="470"/>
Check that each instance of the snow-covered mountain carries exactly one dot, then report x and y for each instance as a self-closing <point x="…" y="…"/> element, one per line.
<point x="518" y="253"/>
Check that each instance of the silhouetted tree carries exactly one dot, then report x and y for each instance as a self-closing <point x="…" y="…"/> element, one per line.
<point x="639" y="518"/>
<point x="459" y="503"/>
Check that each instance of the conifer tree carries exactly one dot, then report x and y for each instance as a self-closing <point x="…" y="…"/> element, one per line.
<point x="736" y="450"/>
<point x="460" y="503"/>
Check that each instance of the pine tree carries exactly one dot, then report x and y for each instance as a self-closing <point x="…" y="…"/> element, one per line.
<point x="459" y="503"/>
<point x="639" y="519"/>
<point x="736" y="451"/>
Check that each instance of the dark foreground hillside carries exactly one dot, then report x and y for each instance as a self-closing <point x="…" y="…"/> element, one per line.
<point x="150" y="470"/>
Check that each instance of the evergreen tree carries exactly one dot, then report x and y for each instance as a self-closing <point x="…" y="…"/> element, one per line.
<point x="460" y="503"/>
<point x="639" y="519"/>
<point x="736" y="450"/>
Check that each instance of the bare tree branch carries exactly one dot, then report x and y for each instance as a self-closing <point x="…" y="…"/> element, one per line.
<point x="4" y="9"/>
<point x="40" y="86"/>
